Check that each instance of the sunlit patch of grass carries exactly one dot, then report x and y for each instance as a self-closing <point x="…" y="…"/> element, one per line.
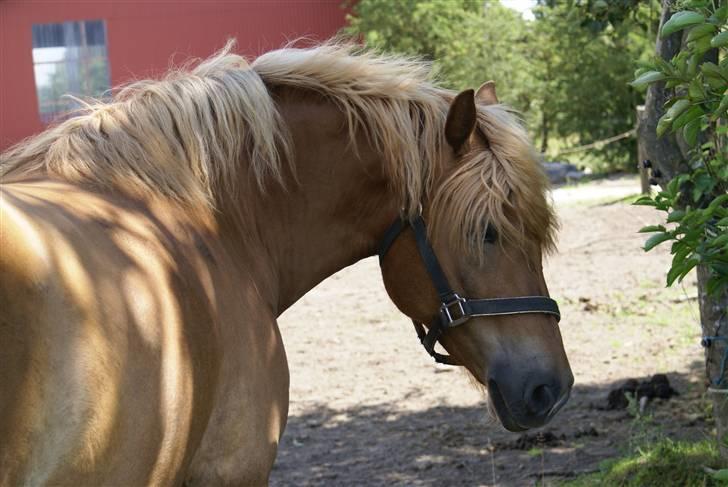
<point x="535" y="452"/>
<point x="616" y="344"/>
<point x="662" y="309"/>
<point x="661" y="464"/>
<point x="650" y="284"/>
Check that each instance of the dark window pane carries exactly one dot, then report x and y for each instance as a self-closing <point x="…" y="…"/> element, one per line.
<point x="48" y="35"/>
<point x="95" y="33"/>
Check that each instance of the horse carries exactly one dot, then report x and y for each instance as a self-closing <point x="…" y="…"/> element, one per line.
<point x="150" y="241"/>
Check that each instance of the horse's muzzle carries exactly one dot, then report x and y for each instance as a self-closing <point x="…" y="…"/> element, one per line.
<point x="527" y="400"/>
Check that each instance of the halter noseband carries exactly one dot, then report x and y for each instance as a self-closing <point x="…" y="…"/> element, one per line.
<point x="454" y="309"/>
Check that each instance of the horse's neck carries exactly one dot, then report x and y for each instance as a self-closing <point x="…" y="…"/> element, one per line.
<point x="333" y="216"/>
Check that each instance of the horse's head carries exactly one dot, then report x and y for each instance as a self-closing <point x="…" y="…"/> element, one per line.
<point x="481" y="237"/>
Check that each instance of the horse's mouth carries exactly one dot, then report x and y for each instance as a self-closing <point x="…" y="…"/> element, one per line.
<point x="510" y="419"/>
<point x="501" y="409"/>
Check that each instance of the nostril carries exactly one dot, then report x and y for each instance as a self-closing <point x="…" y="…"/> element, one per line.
<point x="541" y="400"/>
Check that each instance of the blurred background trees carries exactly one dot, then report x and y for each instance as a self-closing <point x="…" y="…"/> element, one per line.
<point x="566" y="70"/>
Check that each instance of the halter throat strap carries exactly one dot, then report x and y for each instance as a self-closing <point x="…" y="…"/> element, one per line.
<point x="454" y="309"/>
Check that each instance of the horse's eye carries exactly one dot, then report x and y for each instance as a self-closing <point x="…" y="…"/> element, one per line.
<point x="491" y="235"/>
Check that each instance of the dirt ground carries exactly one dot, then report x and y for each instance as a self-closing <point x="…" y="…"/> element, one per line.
<point x="369" y="407"/>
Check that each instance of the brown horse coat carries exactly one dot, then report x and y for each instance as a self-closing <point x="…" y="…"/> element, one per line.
<point x="148" y="245"/>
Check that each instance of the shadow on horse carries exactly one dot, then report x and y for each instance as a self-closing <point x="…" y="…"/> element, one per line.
<point x="150" y="242"/>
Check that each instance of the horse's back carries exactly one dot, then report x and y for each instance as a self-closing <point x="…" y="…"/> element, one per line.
<point x="102" y="360"/>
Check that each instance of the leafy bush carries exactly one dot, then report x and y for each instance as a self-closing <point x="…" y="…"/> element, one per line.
<point x="695" y="203"/>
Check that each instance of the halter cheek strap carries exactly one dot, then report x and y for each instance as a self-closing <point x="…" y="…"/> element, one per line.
<point x="454" y="309"/>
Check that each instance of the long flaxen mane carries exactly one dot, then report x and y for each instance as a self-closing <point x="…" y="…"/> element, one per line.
<point x="188" y="136"/>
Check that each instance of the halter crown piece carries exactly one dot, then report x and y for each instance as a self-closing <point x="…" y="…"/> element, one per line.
<point x="454" y="309"/>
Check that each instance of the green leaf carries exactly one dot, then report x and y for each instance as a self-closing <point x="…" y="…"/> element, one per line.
<point x="664" y="66"/>
<point x="699" y="31"/>
<point x="690" y="132"/>
<point x="674" y="273"/>
<point x="688" y="266"/>
<point x="663" y="125"/>
<point x="600" y="6"/>
<point x="675" y="216"/>
<point x="718" y="201"/>
<point x="700" y="45"/>
<point x="693" y="65"/>
<point x="720" y="241"/>
<point x="640" y="71"/>
<point x="652" y="228"/>
<point x="645" y="201"/>
<point x="673" y="82"/>
<point x="680" y="21"/>
<point x="720" y="40"/>
<point x="686" y="117"/>
<point x="695" y="89"/>
<point x="677" y="108"/>
<point x="647" y="78"/>
<point x="655" y="240"/>
<point x="712" y="70"/>
<point x="674" y="185"/>
<point x="680" y="255"/>
<point x="720" y="15"/>
<point x="715" y="83"/>
<point x="722" y="108"/>
<point x="715" y="285"/>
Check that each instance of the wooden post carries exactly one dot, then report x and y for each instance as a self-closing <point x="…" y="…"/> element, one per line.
<point x="641" y="151"/>
<point x="714" y="321"/>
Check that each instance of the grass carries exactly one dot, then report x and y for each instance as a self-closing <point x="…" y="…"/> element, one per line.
<point x="535" y="452"/>
<point x="662" y="464"/>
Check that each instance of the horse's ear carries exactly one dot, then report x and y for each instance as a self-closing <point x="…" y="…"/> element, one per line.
<point x="486" y="94"/>
<point x="460" y="120"/>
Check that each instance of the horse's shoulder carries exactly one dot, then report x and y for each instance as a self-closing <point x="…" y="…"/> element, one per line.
<point x="24" y="253"/>
<point x="75" y="248"/>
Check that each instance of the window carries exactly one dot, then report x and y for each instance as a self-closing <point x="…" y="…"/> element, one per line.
<point x="69" y="58"/>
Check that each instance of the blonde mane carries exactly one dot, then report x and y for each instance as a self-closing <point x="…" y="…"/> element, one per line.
<point x="184" y="136"/>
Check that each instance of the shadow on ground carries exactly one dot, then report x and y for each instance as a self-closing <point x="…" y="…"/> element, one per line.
<point x="388" y="445"/>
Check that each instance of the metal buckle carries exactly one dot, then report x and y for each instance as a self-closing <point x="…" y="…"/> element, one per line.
<point x="453" y="312"/>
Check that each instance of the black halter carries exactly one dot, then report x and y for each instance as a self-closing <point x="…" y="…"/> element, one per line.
<point x="454" y="309"/>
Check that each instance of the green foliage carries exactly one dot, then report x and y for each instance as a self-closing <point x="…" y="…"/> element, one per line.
<point x="585" y="67"/>
<point x="681" y="20"/>
<point x="663" y="463"/>
<point x="466" y="43"/>
<point x="568" y="78"/>
<point x="696" y="203"/>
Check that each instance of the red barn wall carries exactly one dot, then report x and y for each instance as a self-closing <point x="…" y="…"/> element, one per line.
<point x="145" y="37"/>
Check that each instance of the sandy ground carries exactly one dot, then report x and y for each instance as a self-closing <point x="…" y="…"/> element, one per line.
<point x="369" y="407"/>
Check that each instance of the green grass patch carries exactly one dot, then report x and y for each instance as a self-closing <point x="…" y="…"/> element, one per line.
<point x="535" y="452"/>
<point x="662" y="464"/>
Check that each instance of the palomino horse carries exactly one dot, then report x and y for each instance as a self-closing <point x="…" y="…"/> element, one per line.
<point x="149" y="243"/>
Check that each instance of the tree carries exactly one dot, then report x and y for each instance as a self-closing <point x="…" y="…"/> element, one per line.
<point x="585" y="63"/>
<point x="467" y="42"/>
<point x="569" y="79"/>
<point x="689" y="83"/>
